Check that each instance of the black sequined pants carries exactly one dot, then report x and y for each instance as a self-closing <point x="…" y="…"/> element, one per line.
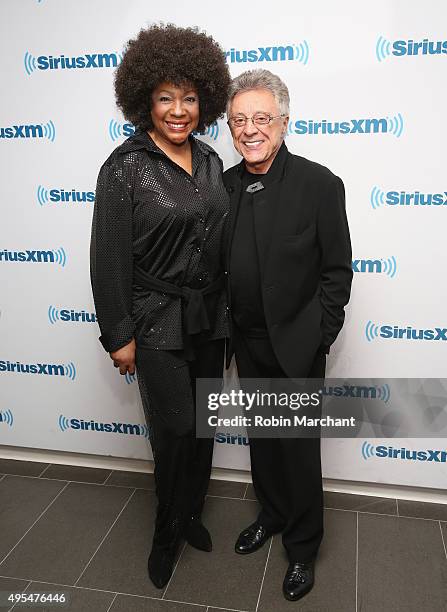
<point x="182" y="462"/>
<point x="286" y="472"/>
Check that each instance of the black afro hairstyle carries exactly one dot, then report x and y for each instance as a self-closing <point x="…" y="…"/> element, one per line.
<point x="176" y="55"/>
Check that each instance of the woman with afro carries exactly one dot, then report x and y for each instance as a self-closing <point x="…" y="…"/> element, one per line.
<point x="156" y="262"/>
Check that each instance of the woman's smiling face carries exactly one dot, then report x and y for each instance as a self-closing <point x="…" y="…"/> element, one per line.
<point x="174" y="112"/>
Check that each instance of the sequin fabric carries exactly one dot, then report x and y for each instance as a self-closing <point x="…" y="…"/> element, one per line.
<point x="182" y="462"/>
<point x="150" y="211"/>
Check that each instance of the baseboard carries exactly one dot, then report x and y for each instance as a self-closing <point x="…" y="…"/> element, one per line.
<point x="438" y="496"/>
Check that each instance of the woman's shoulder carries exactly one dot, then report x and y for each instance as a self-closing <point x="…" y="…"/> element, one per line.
<point x="211" y="154"/>
<point x="204" y="147"/>
<point x="126" y="153"/>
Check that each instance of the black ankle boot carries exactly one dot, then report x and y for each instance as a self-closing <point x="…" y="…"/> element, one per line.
<point x="197" y="535"/>
<point x="160" y="565"/>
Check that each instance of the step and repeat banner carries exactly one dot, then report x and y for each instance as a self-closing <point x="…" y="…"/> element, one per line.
<point x="368" y="89"/>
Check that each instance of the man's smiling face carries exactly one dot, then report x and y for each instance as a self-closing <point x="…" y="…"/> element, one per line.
<point x="258" y="144"/>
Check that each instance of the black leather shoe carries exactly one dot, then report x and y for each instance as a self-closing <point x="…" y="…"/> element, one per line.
<point x="251" y="539"/>
<point x="198" y="536"/>
<point x="160" y="565"/>
<point x="298" y="581"/>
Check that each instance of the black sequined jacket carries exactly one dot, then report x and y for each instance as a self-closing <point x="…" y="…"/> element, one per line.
<point x="151" y="213"/>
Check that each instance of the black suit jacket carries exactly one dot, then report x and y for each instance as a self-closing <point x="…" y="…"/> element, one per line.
<point x="305" y="257"/>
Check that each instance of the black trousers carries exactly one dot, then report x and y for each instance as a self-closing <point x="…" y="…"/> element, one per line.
<point x="182" y="463"/>
<point x="286" y="473"/>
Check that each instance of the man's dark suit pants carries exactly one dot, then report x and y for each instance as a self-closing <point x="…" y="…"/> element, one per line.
<point x="286" y="472"/>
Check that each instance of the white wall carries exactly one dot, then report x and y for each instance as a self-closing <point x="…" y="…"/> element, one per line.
<point x="342" y="72"/>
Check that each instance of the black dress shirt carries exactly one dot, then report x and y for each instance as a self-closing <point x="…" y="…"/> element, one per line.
<point x="245" y="273"/>
<point x="151" y="213"/>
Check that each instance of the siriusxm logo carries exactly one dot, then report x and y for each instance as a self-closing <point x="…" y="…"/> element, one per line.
<point x="376" y="266"/>
<point x="133" y="429"/>
<point x="53" y="256"/>
<point x="227" y="438"/>
<point x="282" y="53"/>
<point x="47" y="369"/>
<point x="70" y="316"/>
<point x="382" y="393"/>
<point x="33" y="130"/>
<point x="390" y="452"/>
<point x="129" y="378"/>
<point x="212" y="131"/>
<point x="64" y="196"/>
<point x="6" y="417"/>
<point x="394" y="332"/>
<point x="63" y="62"/>
<point x="119" y="130"/>
<point x="380" y="198"/>
<point x="399" y="48"/>
<point x="382" y="125"/>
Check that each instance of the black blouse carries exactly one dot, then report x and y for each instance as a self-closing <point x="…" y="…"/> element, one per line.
<point x="151" y="213"/>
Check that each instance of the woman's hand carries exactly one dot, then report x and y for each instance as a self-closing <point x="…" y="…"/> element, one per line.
<point x="124" y="358"/>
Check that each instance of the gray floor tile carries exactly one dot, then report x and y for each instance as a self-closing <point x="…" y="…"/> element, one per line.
<point x="221" y="578"/>
<point x="125" y="551"/>
<point x="21" y="468"/>
<point x="76" y="473"/>
<point x="139" y="480"/>
<point x="402" y="561"/>
<point x="10" y="586"/>
<point x="334" y="589"/>
<point x="361" y="503"/>
<point x="12" y="583"/>
<point x="251" y="493"/>
<point x="125" y="603"/>
<point x="80" y="600"/>
<point x="437" y="512"/>
<point x="227" y="488"/>
<point x="63" y="540"/>
<point x="23" y="500"/>
<point x="402" y="565"/>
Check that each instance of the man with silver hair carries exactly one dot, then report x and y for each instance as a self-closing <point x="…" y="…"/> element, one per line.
<point x="289" y="267"/>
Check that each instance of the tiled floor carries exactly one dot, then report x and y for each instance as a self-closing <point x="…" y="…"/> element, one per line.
<point x="88" y="531"/>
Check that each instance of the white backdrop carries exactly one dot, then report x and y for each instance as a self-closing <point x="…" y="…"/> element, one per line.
<point x="359" y="72"/>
